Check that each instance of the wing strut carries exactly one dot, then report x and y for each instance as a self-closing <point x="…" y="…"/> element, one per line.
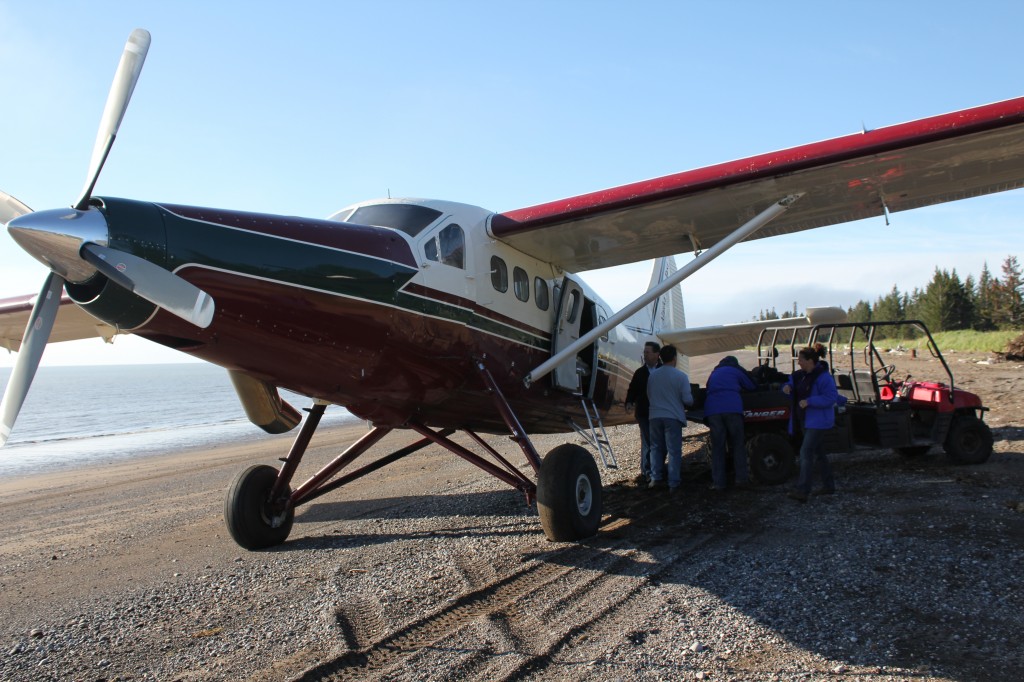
<point x="737" y="235"/>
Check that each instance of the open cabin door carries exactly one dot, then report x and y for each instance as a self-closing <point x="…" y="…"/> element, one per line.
<point x="576" y="315"/>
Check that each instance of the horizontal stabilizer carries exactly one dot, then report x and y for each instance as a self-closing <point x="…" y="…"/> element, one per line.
<point x="728" y="337"/>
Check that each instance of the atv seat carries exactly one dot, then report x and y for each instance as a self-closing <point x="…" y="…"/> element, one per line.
<point x="864" y="386"/>
<point x="844" y="385"/>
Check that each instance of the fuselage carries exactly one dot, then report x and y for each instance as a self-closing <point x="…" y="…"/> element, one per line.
<point x="382" y="309"/>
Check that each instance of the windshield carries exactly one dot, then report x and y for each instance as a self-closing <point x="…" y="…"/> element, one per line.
<point x="409" y="218"/>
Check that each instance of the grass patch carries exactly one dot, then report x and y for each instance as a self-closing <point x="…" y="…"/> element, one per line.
<point x="964" y="341"/>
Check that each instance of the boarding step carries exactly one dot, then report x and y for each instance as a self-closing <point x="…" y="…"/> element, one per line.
<point x="595" y="434"/>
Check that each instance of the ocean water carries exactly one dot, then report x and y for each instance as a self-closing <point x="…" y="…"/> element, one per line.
<point x="80" y="415"/>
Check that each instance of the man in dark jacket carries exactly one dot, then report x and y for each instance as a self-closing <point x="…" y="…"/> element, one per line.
<point x="636" y="399"/>
<point x="723" y="409"/>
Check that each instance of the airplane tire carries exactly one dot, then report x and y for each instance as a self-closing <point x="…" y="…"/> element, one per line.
<point x="569" y="494"/>
<point x="247" y="513"/>
<point x="969" y="440"/>
<point x="771" y="456"/>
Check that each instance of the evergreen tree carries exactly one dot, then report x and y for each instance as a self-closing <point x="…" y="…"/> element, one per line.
<point x="860" y="312"/>
<point x="1008" y="303"/>
<point x="889" y="308"/>
<point x="945" y="305"/>
<point x="984" y="318"/>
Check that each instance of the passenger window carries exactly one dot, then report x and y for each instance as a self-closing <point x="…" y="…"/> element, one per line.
<point x="448" y="247"/>
<point x="573" y="307"/>
<point x="521" y="284"/>
<point x="499" y="274"/>
<point x="540" y="293"/>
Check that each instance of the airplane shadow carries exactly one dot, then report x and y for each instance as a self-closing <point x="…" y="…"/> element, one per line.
<point x="509" y="504"/>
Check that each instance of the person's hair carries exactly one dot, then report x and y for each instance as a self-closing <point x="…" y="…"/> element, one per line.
<point x="668" y="353"/>
<point x="653" y="346"/>
<point x="814" y="354"/>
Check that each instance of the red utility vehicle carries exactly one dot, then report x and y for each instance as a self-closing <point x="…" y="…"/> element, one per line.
<point x="881" y="411"/>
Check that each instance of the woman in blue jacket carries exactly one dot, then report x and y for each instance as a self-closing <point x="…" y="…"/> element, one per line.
<point x="723" y="408"/>
<point x="814" y="412"/>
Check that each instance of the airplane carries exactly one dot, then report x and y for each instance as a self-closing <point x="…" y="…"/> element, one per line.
<point x="437" y="317"/>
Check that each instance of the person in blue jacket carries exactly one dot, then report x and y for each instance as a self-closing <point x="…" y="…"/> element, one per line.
<point x="723" y="408"/>
<point x="814" y="412"/>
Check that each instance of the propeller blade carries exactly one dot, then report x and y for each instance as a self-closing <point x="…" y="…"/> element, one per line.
<point x="11" y="208"/>
<point x="37" y="332"/>
<point x="152" y="283"/>
<point x="127" y="75"/>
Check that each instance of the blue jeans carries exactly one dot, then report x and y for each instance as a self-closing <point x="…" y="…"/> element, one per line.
<point x="667" y="440"/>
<point x="811" y="454"/>
<point x="645" y="446"/>
<point x="727" y="428"/>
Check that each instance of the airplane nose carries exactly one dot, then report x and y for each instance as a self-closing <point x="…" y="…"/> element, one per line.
<point x="55" y="238"/>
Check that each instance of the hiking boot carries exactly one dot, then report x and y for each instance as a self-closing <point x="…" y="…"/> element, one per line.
<point x="796" y="495"/>
<point x="824" y="491"/>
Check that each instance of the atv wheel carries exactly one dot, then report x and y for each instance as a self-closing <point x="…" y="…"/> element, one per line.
<point x="247" y="511"/>
<point x="772" y="459"/>
<point x="969" y="440"/>
<point x="569" y="494"/>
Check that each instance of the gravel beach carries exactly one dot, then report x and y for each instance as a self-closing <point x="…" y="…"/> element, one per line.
<point x="431" y="570"/>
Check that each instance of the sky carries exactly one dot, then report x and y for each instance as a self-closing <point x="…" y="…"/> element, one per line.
<point x="305" y="107"/>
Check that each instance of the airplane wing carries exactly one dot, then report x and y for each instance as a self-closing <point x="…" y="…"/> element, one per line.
<point x="727" y="337"/>
<point x="72" y="322"/>
<point x="954" y="156"/>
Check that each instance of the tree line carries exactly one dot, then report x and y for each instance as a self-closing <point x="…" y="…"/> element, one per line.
<point x="948" y="303"/>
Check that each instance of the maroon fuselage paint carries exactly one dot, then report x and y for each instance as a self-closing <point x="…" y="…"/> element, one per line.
<point x="328" y="310"/>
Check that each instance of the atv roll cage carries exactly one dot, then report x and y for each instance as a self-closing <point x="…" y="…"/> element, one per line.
<point x="872" y="381"/>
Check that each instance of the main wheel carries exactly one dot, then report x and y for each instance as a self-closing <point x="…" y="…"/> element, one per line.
<point x="969" y="440"/>
<point x="248" y="513"/>
<point x="569" y="494"/>
<point x="772" y="460"/>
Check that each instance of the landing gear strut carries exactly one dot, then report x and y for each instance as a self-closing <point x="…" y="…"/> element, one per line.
<point x="260" y="506"/>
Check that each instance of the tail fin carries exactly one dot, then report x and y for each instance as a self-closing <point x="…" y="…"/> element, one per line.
<point x="665" y="312"/>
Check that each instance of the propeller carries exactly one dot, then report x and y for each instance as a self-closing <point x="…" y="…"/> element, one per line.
<point x="40" y="323"/>
<point x="72" y="243"/>
<point x="125" y="78"/>
<point x="152" y="283"/>
<point x="11" y="208"/>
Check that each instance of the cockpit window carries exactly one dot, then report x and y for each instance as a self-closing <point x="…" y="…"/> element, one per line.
<point x="448" y="247"/>
<point x="409" y="218"/>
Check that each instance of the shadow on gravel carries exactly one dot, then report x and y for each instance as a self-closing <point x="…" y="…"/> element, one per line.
<point x="462" y="508"/>
<point x="490" y="503"/>
<point x="914" y="565"/>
